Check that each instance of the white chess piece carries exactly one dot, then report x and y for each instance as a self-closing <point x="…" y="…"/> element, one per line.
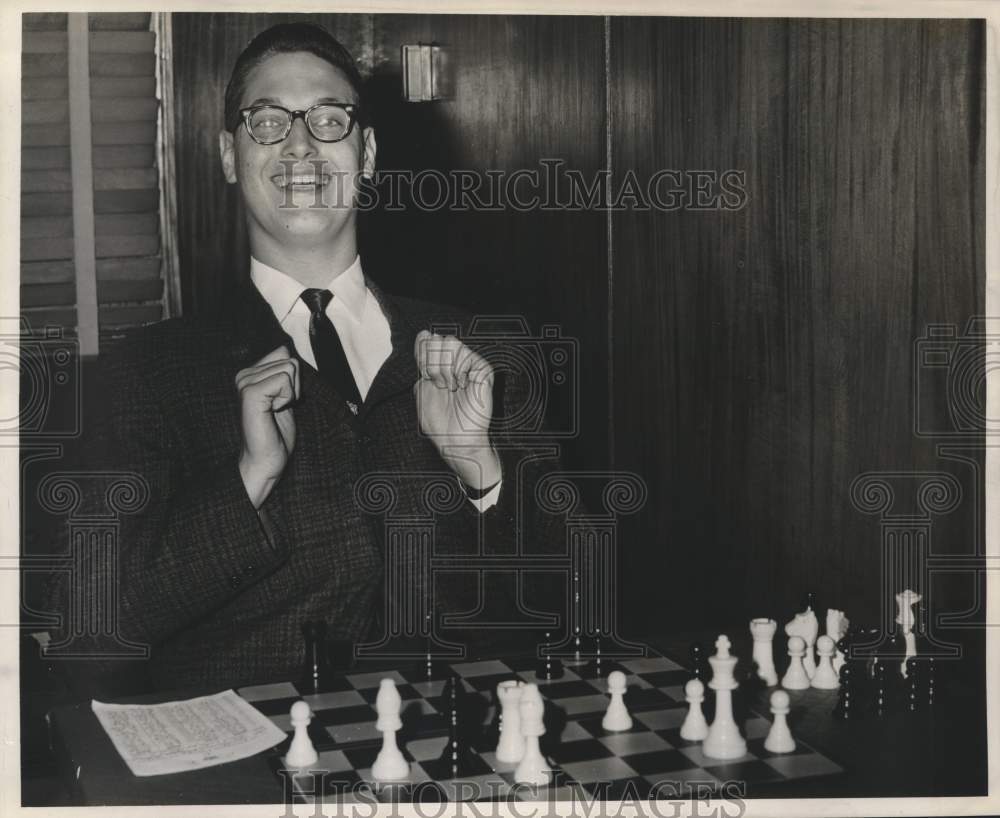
<point x="510" y="748"/>
<point x="301" y="753"/>
<point x="779" y="737"/>
<point x="616" y="719"/>
<point x="694" y="728"/>
<point x="805" y="625"/>
<point x="836" y="628"/>
<point x="723" y="739"/>
<point x="390" y="765"/>
<point x="763" y="631"/>
<point x="825" y="677"/>
<point x="533" y="768"/>
<point x="906" y="620"/>
<point x="795" y="677"/>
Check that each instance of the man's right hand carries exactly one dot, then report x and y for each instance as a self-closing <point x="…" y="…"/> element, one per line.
<point x="267" y="390"/>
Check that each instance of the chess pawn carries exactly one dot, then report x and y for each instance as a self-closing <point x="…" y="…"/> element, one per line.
<point x="779" y="737"/>
<point x="510" y="749"/>
<point x="390" y="765"/>
<point x="723" y="740"/>
<point x="825" y="677"/>
<point x="694" y="728"/>
<point x="533" y="768"/>
<point x="806" y="626"/>
<point x="795" y="677"/>
<point x="763" y="631"/>
<point x="617" y="718"/>
<point x="301" y="753"/>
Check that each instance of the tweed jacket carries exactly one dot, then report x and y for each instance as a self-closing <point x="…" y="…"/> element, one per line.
<point x="218" y="590"/>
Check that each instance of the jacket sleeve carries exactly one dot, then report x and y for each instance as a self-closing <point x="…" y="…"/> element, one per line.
<point x="198" y="541"/>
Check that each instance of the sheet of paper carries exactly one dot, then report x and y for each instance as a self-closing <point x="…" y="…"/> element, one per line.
<point x="172" y="737"/>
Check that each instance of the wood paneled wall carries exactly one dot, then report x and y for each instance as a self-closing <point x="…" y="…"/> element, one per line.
<point x="762" y="356"/>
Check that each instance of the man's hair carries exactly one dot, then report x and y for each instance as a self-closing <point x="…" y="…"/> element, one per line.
<point x="286" y="38"/>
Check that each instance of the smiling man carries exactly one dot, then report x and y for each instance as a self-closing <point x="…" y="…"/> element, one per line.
<point x="255" y="429"/>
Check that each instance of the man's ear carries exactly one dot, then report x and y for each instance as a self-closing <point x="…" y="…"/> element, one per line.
<point x="227" y="156"/>
<point x="368" y="150"/>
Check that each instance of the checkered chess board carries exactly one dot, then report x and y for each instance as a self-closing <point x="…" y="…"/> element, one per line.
<point x="650" y="760"/>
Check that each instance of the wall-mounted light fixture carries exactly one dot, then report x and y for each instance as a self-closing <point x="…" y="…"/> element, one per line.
<point x="425" y="73"/>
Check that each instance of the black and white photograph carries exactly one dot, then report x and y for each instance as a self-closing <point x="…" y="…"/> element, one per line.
<point x="527" y="410"/>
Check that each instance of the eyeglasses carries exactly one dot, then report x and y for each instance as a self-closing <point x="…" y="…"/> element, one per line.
<point x="326" y="121"/>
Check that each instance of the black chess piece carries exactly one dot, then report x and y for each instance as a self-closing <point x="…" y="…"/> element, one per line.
<point x="882" y="692"/>
<point x="464" y="717"/>
<point x="864" y="639"/>
<point x="700" y="668"/>
<point x="316" y="671"/>
<point x="930" y="674"/>
<point x="847" y="708"/>
<point x="548" y="667"/>
<point x="844" y="648"/>
<point x="809" y="602"/>
<point x="913" y="686"/>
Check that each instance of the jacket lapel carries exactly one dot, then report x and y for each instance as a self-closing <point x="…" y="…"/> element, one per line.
<point x="399" y="372"/>
<point x="251" y="329"/>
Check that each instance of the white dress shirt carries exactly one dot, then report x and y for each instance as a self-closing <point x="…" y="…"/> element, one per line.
<point x="356" y="315"/>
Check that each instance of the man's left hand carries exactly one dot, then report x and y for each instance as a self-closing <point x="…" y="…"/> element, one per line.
<point x="455" y="406"/>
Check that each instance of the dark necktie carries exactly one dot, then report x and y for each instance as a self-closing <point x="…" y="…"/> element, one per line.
<point x="329" y="352"/>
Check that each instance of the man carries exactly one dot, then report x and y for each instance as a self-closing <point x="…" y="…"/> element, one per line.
<point x="254" y="429"/>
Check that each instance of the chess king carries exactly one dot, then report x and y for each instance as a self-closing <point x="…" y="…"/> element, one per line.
<point x="252" y="427"/>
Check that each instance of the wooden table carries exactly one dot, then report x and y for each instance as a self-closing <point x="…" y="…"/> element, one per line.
<point x="932" y="753"/>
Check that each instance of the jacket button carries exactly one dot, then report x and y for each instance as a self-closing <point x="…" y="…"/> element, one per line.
<point x="249" y="569"/>
<point x="236" y="580"/>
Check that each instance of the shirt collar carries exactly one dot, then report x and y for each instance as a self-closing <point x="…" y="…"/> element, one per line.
<point x="282" y="292"/>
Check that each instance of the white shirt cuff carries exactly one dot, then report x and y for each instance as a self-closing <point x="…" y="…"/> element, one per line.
<point x="488" y="500"/>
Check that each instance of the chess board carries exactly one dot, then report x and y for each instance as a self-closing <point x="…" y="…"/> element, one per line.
<point x="649" y="761"/>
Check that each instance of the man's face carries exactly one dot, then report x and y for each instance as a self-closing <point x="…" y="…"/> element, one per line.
<point x="300" y="190"/>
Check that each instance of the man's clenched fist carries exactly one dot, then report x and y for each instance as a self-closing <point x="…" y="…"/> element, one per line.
<point x="267" y="390"/>
<point x="455" y="406"/>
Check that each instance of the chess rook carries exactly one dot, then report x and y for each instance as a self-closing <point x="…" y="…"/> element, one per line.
<point x="510" y="748"/>
<point x="763" y="631"/>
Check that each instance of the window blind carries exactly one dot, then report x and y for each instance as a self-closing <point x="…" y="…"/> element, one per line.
<point x="124" y="192"/>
